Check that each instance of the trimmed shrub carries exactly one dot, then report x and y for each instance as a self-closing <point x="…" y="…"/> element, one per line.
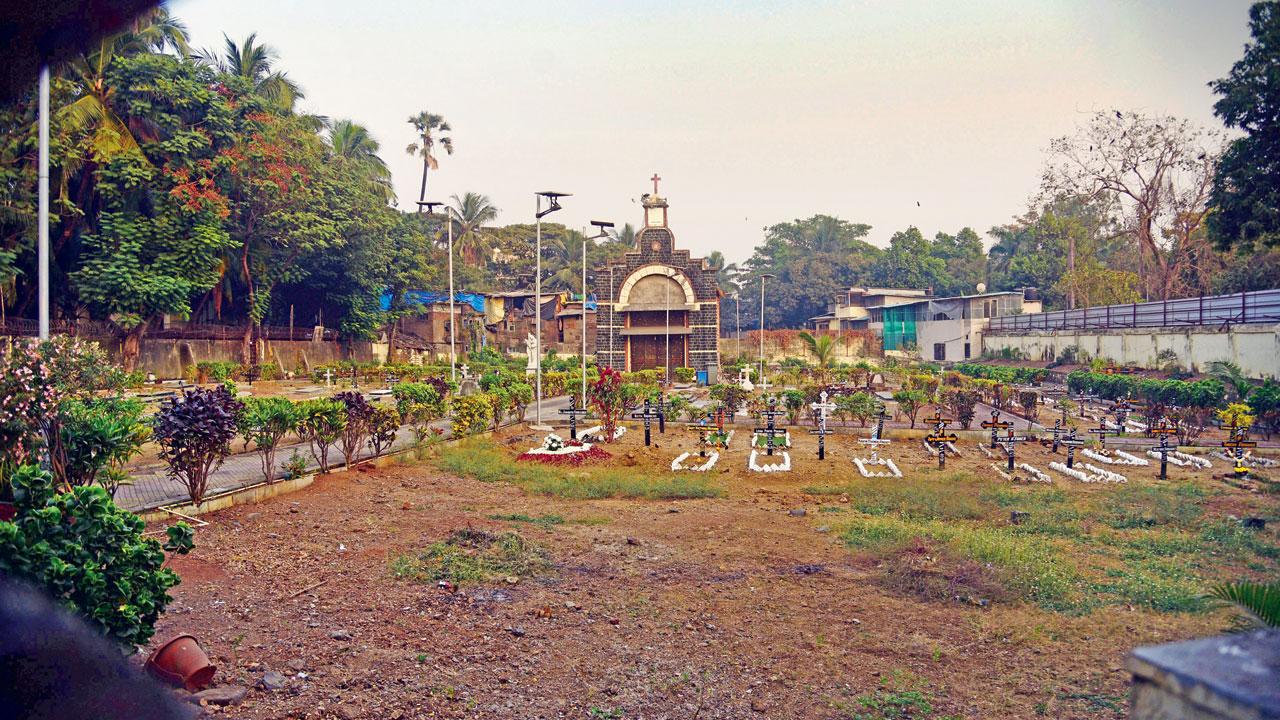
<point x="471" y="414"/>
<point x="90" y="556"/>
<point x="195" y="436"/>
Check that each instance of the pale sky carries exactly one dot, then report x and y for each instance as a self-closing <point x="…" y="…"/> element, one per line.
<point x="752" y="112"/>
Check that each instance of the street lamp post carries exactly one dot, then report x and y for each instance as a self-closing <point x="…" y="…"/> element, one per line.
<point x="737" y="324"/>
<point x="553" y="204"/>
<point x="762" y="277"/>
<point x="601" y="232"/>
<point x="448" y="220"/>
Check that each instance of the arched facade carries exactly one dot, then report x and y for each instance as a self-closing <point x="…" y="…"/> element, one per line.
<point x="660" y="307"/>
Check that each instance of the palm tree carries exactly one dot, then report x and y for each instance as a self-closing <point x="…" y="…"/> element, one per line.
<point x="625" y="235"/>
<point x="352" y="141"/>
<point x="822" y="348"/>
<point x="92" y="112"/>
<point x="430" y="129"/>
<point x="256" y="63"/>
<point x="471" y="239"/>
<point x="565" y="262"/>
<point x="1258" y="604"/>
<point x="1230" y="374"/>
<point x="726" y="273"/>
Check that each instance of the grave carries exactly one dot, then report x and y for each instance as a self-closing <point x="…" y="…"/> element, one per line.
<point x="1071" y="442"/>
<point x="647" y="414"/>
<point x="1163" y="429"/>
<point x="703" y="428"/>
<point x="940" y="439"/>
<point x="1238" y="440"/>
<point x="995" y="424"/>
<point x="573" y="411"/>
<point x="875" y="441"/>
<point x="822" y="407"/>
<point x="769" y="432"/>
<point x="1010" y="442"/>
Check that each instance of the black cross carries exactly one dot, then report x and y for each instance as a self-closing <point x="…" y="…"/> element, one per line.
<point x="1238" y="443"/>
<point x="573" y="412"/>
<point x="1164" y="430"/>
<point x="702" y="429"/>
<point x="821" y="407"/>
<point x="1071" y="442"/>
<point x="355" y="378"/>
<point x="1121" y="409"/>
<point x="662" y="413"/>
<point x="937" y="420"/>
<point x="1010" y="441"/>
<point x="770" y="431"/>
<point x="996" y="426"/>
<point x="1102" y="431"/>
<point x="1057" y="434"/>
<point x="880" y="418"/>
<point x="647" y="415"/>
<point x="941" y="439"/>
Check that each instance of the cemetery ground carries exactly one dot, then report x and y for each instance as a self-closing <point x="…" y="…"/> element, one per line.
<point x="473" y="585"/>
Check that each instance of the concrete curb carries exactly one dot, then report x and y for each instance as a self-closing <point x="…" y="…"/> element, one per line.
<point x="262" y="490"/>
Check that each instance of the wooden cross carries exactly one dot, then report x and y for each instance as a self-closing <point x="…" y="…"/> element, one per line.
<point x="880" y="418"/>
<point x="822" y="407"/>
<point x="1057" y="432"/>
<point x="1164" y="430"/>
<point x="647" y="415"/>
<point x="1238" y="442"/>
<point x="937" y="420"/>
<point x="1071" y="442"/>
<point x="655" y="180"/>
<point x="940" y="439"/>
<point x="1121" y="409"/>
<point x="573" y="412"/>
<point x="720" y="418"/>
<point x="770" y="430"/>
<point x="996" y="425"/>
<point x="702" y="429"/>
<point x="1010" y="441"/>
<point x="1102" y="431"/>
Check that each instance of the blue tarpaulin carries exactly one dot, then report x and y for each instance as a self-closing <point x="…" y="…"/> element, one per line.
<point x="427" y="297"/>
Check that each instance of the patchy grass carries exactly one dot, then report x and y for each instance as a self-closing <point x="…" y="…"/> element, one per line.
<point x="484" y="461"/>
<point x="472" y="556"/>
<point x="901" y="695"/>
<point x="1144" y="506"/>
<point x="1232" y="538"/>
<point x="545" y="522"/>
<point x="940" y="498"/>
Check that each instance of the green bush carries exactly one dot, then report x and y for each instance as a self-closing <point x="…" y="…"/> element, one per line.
<point x="217" y="370"/>
<point x="471" y="414"/>
<point x="1003" y="373"/>
<point x="90" y="556"/>
<point x="321" y="422"/>
<point x="265" y="421"/>
<point x="686" y="374"/>
<point x="100" y="435"/>
<point x="419" y="404"/>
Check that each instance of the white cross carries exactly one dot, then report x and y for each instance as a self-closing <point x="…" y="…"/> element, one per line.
<point x="823" y="407"/>
<point x="328" y="377"/>
<point x="466" y="371"/>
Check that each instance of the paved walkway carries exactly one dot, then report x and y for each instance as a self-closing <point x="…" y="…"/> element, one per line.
<point x="152" y="488"/>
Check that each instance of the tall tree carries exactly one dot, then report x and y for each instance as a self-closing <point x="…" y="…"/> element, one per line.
<point x="431" y="129"/>
<point x="1246" y="188"/>
<point x="470" y="238"/>
<point x="910" y="263"/>
<point x="257" y="64"/>
<point x="352" y="141"/>
<point x="1157" y="170"/>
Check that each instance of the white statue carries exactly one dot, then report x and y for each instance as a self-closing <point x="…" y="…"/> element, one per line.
<point x="744" y="379"/>
<point x="531" y="347"/>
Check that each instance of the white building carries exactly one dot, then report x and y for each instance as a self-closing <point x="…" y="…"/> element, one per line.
<point x="851" y="309"/>
<point x="947" y="329"/>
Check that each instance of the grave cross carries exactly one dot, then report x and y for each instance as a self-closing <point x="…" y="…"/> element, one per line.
<point x="647" y="415"/>
<point x="1238" y="442"/>
<point x="822" y="407"/>
<point x="573" y="412"/>
<point x="1121" y="409"/>
<point x="880" y="418"/>
<point x="1164" y="430"/>
<point x="1102" y="431"/>
<point x="355" y="378"/>
<point x="328" y="377"/>
<point x="702" y="429"/>
<point x="662" y="413"/>
<point x="1057" y="434"/>
<point x="1071" y="442"/>
<point x="996" y="425"/>
<point x="940" y="439"/>
<point x="1010" y="442"/>
<point x="770" y="430"/>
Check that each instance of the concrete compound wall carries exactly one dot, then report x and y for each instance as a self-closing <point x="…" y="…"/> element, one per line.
<point x="1255" y="347"/>
<point x="167" y="357"/>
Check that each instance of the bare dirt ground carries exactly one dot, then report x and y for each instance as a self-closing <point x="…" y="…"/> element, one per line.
<point x="732" y="607"/>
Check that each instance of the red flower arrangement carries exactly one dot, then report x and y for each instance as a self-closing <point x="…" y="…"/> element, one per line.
<point x="570" y="459"/>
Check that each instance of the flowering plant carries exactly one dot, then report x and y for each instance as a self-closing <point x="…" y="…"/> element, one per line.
<point x="607" y="400"/>
<point x="552" y="442"/>
<point x="573" y="459"/>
